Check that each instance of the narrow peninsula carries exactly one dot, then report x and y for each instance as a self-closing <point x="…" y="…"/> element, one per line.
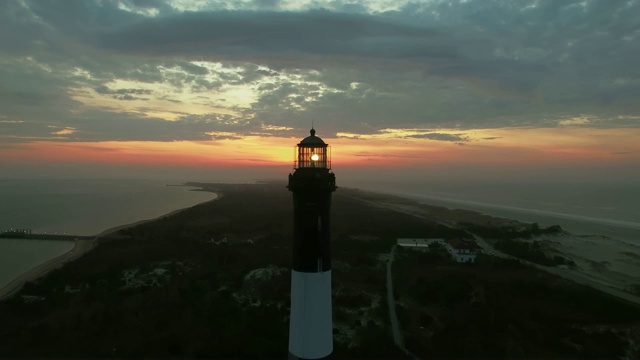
<point x="213" y="281"/>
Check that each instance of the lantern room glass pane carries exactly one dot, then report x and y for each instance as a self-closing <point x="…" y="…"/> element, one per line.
<point x="312" y="157"/>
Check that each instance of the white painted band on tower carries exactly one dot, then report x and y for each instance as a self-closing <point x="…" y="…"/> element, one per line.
<point x="310" y="326"/>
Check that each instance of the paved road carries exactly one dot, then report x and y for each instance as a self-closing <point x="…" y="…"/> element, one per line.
<point x="393" y="316"/>
<point x="395" y="327"/>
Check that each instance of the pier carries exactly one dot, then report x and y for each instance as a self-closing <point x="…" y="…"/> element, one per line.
<point x="28" y="234"/>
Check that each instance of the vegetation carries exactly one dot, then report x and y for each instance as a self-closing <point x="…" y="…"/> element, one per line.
<point x="499" y="308"/>
<point x="509" y="240"/>
<point x="531" y="251"/>
<point x="164" y="289"/>
<point x="511" y="233"/>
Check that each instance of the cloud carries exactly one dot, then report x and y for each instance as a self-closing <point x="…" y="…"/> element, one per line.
<point x="105" y="90"/>
<point x="268" y="36"/>
<point x="123" y="94"/>
<point x="63" y="131"/>
<point x="576" y="121"/>
<point x="350" y="67"/>
<point x="441" y="137"/>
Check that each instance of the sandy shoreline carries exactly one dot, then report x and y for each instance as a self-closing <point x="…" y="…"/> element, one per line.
<point x="607" y="253"/>
<point x="605" y="261"/>
<point x="607" y="257"/>
<point x="80" y="248"/>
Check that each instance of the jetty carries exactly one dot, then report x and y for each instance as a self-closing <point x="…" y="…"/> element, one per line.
<point x="28" y="234"/>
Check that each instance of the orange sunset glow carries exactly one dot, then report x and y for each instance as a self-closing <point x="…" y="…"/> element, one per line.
<point x="507" y="147"/>
<point x="226" y="90"/>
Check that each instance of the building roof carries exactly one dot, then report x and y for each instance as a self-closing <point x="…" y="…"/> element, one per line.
<point x="461" y="244"/>
<point x="416" y="242"/>
<point x="312" y="140"/>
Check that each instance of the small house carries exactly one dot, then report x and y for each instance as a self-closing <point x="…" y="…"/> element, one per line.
<point x="463" y="250"/>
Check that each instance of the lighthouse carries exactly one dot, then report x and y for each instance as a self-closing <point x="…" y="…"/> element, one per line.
<point x="312" y="182"/>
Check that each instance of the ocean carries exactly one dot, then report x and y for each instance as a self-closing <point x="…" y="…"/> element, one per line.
<point x="580" y="208"/>
<point x="81" y="207"/>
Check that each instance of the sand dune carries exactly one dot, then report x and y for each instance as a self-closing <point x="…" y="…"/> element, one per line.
<point x="607" y="257"/>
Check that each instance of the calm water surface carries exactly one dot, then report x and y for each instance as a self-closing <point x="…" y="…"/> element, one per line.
<point x="18" y="256"/>
<point x="82" y="207"/>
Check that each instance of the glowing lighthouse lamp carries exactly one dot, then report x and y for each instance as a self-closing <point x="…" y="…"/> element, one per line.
<point x="312" y="182"/>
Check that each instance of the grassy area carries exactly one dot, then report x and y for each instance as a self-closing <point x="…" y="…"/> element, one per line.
<point x="502" y="308"/>
<point x="514" y="241"/>
<point x="191" y="297"/>
<point x="163" y="289"/>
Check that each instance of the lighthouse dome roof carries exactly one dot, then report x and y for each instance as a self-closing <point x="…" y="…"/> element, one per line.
<point x="312" y="139"/>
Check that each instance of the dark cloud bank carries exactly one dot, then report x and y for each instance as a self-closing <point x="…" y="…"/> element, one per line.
<point x="441" y="64"/>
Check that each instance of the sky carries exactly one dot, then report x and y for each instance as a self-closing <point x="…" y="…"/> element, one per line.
<point x="420" y="90"/>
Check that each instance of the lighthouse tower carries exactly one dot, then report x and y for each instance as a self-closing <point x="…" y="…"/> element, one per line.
<point x="312" y="182"/>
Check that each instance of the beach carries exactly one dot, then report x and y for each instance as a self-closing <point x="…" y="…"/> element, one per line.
<point x="606" y="251"/>
<point x="607" y="254"/>
<point x="80" y="248"/>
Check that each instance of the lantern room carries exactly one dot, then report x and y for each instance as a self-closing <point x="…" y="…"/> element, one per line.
<point x="312" y="152"/>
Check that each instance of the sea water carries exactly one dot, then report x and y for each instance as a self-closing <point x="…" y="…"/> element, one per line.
<point x="81" y="207"/>
<point x="18" y="255"/>
<point x="611" y="210"/>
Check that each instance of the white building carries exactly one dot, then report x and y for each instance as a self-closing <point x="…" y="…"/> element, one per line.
<point x="418" y="244"/>
<point x="463" y="250"/>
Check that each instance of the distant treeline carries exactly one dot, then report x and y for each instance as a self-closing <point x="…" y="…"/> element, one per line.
<point x="510" y="233"/>
<point x="531" y="251"/>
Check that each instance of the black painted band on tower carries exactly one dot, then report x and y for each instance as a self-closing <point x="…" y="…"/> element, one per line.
<point x="312" y="190"/>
